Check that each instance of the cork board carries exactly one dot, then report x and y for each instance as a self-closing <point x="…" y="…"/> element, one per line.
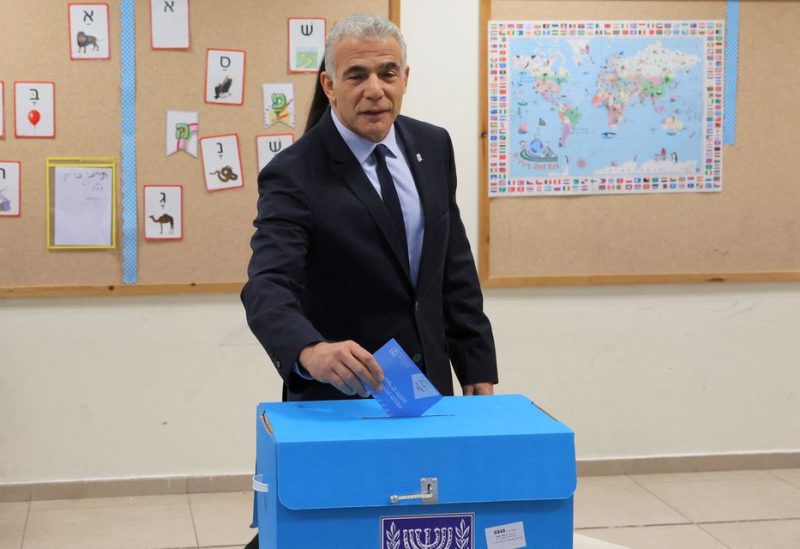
<point x="213" y="253"/>
<point x="748" y="232"/>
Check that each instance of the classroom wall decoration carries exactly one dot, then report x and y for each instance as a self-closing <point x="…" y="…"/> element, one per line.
<point x="157" y="55"/>
<point x="604" y="107"/>
<point x="169" y="25"/>
<point x="35" y="109"/>
<point x="88" y="31"/>
<point x="10" y="188"/>
<point x="579" y="214"/>
<point x="163" y="212"/>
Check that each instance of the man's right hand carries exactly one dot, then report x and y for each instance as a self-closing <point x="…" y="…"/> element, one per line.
<point x="344" y="364"/>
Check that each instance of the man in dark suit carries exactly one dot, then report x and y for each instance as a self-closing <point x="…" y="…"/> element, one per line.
<point x="359" y="239"/>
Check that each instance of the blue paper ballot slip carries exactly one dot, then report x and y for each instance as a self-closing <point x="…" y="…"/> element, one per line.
<point x="406" y="390"/>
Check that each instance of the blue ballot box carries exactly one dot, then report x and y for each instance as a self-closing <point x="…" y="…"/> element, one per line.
<point x="484" y="472"/>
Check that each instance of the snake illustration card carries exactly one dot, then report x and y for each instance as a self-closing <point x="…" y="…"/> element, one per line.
<point x="225" y="77"/>
<point x="163" y="212"/>
<point x="222" y="161"/>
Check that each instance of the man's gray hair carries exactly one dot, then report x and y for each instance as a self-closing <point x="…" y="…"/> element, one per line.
<point x="363" y="27"/>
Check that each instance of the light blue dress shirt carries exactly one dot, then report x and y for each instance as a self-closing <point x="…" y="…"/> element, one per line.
<point x="403" y="181"/>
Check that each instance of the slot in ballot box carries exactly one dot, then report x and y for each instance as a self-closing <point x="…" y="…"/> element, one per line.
<point x="492" y="472"/>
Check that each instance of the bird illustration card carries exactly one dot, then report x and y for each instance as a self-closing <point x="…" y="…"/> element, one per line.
<point x="278" y="105"/>
<point x="268" y="146"/>
<point x="225" y="77"/>
<point x="163" y="212"/>
<point x="182" y="128"/>
<point x="88" y="31"/>
<point x="169" y="24"/>
<point x="35" y="109"/>
<point x="10" y="188"/>
<point x="306" y="44"/>
<point x="222" y="161"/>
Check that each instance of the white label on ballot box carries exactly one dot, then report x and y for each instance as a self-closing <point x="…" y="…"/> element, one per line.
<point x="406" y="390"/>
<point x="506" y="536"/>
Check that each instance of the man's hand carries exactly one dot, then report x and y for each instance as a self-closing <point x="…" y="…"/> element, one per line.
<point x="478" y="389"/>
<point x="344" y="364"/>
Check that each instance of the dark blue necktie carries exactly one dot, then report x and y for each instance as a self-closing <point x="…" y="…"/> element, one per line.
<point x="389" y="194"/>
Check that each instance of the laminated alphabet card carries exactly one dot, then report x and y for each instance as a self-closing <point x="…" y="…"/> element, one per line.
<point x="182" y="128"/>
<point x="278" y="104"/>
<point x="222" y="161"/>
<point x="169" y="24"/>
<point x="225" y="77"/>
<point x="9" y="188"/>
<point x="268" y="146"/>
<point x="35" y="109"/>
<point x="88" y="31"/>
<point x="306" y="44"/>
<point x="163" y="212"/>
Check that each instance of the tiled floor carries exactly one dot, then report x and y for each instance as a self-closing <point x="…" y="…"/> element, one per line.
<point x="734" y="509"/>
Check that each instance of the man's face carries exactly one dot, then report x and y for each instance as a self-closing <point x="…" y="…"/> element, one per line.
<point x="369" y="87"/>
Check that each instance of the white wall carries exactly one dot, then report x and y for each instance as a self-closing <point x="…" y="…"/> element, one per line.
<point x="159" y="386"/>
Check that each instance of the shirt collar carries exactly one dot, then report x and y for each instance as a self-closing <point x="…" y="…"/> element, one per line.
<point x="362" y="147"/>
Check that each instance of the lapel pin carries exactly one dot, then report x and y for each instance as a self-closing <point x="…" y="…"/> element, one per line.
<point x="419" y="157"/>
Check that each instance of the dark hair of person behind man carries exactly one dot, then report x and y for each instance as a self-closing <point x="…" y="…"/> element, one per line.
<point x="318" y="104"/>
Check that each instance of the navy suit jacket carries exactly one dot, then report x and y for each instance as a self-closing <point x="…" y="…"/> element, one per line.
<point x="327" y="264"/>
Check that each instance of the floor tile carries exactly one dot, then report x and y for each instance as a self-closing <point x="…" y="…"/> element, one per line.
<point x="683" y="536"/>
<point x="791" y="476"/>
<point x="12" y="524"/>
<point x="618" y="501"/>
<point x="579" y="541"/>
<point x="223" y="519"/>
<point x="731" y="500"/>
<point x="645" y="480"/>
<point x="100" y="503"/>
<point x="148" y="522"/>
<point x="773" y="534"/>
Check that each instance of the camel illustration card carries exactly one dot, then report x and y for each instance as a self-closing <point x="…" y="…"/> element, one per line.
<point x="163" y="212"/>
<point x="81" y="207"/>
<point x="10" y="188"/>
<point x="35" y="109"/>
<point x="225" y="77"/>
<point x="222" y="161"/>
<point x="169" y="24"/>
<point x="88" y="31"/>
<point x="267" y="146"/>
<point x="182" y="128"/>
<point x="278" y="105"/>
<point x="306" y="44"/>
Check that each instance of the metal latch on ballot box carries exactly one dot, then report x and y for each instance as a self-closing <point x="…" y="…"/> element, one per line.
<point x="429" y="492"/>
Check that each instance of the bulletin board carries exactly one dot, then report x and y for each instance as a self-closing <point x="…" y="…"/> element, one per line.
<point x="213" y="251"/>
<point x="750" y="231"/>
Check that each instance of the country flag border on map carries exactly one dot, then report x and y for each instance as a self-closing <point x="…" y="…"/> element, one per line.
<point x="501" y="33"/>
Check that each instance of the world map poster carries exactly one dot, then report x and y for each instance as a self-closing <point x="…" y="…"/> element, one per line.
<point x="605" y="107"/>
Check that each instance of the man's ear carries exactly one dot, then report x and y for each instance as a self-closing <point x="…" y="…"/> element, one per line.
<point x="405" y="76"/>
<point x="326" y="81"/>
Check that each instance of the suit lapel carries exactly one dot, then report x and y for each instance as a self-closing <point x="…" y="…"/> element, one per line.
<point x="419" y="169"/>
<point x="347" y="167"/>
